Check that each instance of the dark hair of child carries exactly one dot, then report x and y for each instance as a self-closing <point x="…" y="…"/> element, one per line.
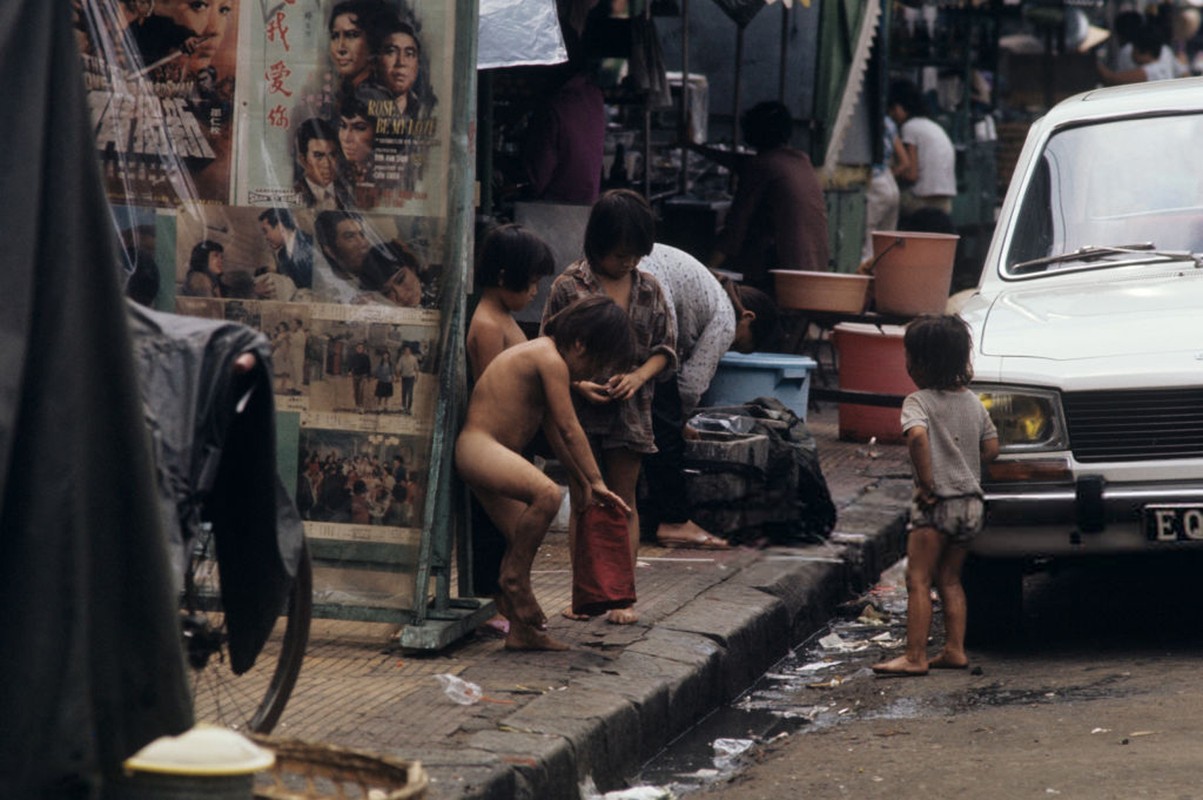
<point x="938" y="352"/>
<point x="600" y="325"/>
<point x="621" y="220"/>
<point x="766" y="328"/>
<point x="513" y="257"/>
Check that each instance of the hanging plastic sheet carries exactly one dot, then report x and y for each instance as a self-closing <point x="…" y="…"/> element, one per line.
<point x="519" y="33"/>
<point x="271" y="169"/>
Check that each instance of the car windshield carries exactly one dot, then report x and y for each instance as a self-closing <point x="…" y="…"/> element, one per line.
<point x="1105" y="186"/>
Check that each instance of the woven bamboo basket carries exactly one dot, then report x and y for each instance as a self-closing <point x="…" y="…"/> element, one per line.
<point x="314" y="771"/>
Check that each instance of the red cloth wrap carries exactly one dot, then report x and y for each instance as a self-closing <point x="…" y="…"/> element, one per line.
<point x="603" y="574"/>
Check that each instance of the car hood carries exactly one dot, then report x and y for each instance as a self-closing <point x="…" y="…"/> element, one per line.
<point x="1064" y="320"/>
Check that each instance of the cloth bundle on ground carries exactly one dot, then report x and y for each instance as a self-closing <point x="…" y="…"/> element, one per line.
<point x="603" y="576"/>
<point x="755" y="475"/>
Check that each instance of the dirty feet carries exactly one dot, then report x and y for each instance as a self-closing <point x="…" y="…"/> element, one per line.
<point x="568" y="613"/>
<point x="947" y="661"/>
<point x="622" y="616"/>
<point x="688" y="535"/>
<point x="900" y="667"/>
<point x="524" y="637"/>
<point x="522" y="605"/>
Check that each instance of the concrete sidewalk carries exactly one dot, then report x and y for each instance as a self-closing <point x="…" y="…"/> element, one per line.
<point x="711" y="623"/>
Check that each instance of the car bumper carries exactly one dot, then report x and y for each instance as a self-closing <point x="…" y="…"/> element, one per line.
<point x="1086" y="518"/>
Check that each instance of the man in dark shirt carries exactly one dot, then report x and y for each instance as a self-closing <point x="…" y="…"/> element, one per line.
<point x="360" y="365"/>
<point x="778" y="217"/>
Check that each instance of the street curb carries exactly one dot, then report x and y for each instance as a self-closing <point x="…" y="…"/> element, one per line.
<point x="617" y="715"/>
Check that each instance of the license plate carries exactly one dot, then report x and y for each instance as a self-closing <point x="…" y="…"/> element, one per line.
<point x="1174" y="523"/>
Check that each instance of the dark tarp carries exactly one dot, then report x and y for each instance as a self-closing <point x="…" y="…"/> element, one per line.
<point x="214" y="434"/>
<point x="92" y="667"/>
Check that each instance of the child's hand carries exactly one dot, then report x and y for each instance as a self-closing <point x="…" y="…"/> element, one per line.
<point x="625" y="385"/>
<point x="602" y="495"/>
<point x="925" y="496"/>
<point x="593" y="392"/>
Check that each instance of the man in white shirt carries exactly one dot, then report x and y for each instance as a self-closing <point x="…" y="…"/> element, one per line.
<point x="1151" y="60"/>
<point x="929" y="178"/>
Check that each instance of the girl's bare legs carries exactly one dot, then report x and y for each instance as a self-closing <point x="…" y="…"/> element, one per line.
<point x="622" y="476"/>
<point x="956" y="615"/>
<point x="924" y="551"/>
<point x="522" y="502"/>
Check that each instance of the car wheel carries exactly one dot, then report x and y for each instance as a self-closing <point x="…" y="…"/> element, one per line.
<point x="994" y="595"/>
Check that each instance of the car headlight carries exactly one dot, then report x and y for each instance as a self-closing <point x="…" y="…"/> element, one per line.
<point x="1027" y="419"/>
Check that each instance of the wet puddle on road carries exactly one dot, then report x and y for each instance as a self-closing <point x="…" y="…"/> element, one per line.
<point x="789" y="698"/>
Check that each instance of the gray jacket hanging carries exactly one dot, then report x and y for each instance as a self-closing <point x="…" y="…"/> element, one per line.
<point x="214" y="437"/>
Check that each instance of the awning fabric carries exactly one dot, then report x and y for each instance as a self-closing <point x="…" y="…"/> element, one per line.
<point x="846" y="33"/>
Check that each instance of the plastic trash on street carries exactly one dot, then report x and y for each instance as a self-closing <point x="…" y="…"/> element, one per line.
<point x="589" y="792"/>
<point x="728" y="751"/>
<point x="461" y="691"/>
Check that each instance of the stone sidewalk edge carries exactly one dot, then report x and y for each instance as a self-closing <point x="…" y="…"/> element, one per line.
<point x="612" y="722"/>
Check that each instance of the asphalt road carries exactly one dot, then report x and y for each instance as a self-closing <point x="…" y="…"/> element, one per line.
<point x="1100" y="699"/>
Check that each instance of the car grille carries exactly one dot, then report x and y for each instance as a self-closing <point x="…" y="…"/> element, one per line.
<point x="1154" y="425"/>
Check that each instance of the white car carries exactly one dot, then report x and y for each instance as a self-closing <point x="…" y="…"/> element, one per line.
<point x="1088" y="332"/>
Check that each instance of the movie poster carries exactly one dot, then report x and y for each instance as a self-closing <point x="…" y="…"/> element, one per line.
<point x="298" y="255"/>
<point x="363" y="382"/>
<point x="283" y="164"/>
<point x="161" y="76"/>
<point x="349" y="105"/>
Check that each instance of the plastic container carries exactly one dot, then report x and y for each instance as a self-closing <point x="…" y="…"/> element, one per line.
<point x="205" y="762"/>
<point x="912" y="271"/>
<point x="872" y="359"/>
<point x="742" y="377"/>
<point x="821" y="291"/>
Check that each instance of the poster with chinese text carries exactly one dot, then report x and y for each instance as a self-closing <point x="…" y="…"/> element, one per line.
<point x="161" y="80"/>
<point x="348" y="108"/>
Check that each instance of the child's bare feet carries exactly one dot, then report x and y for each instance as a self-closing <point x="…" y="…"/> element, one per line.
<point x="568" y="613"/>
<point x="523" y="637"/>
<point x="622" y="616"/>
<point x="524" y="608"/>
<point x="949" y="661"/>
<point x="900" y="667"/>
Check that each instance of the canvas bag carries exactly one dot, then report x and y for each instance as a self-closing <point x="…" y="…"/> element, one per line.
<point x="788" y="501"/>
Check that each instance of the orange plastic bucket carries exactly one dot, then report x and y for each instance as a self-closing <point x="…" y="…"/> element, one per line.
<point x="912" y="271"/>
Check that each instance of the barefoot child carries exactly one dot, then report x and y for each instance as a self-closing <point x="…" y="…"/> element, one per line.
<point x="521" y="389"/>
<point x="949" y="436"/>
<point x="511" y="263"/>
<point x="616" y="409"/>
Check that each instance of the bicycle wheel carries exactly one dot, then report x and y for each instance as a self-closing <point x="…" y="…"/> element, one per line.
<point x="254" y="700"/>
